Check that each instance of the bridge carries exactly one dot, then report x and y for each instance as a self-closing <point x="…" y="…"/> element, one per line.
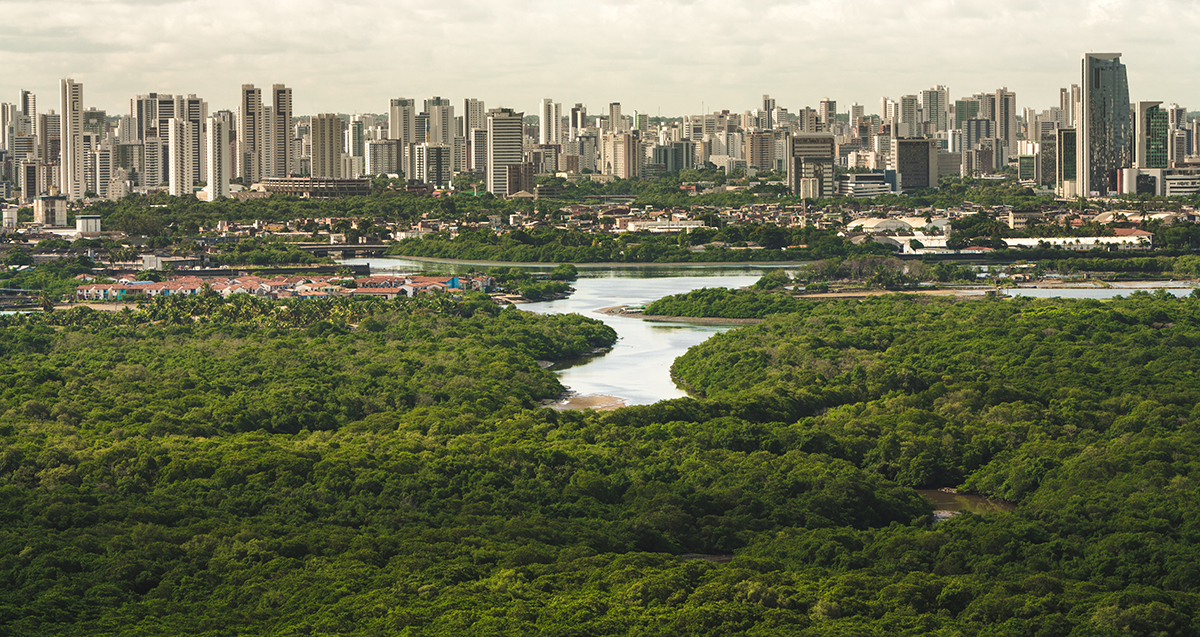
<point x="344" y="250"/>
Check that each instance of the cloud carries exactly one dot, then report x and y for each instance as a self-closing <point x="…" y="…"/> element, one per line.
<point x="671" y="55"/>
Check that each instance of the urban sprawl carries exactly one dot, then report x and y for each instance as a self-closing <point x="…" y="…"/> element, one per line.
<point x="1094" y="144"/>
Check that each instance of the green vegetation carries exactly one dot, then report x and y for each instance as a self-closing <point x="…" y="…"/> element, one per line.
<point x="55" y="278"/>
<point x="534" y="287"/>
<point x="263" y="252"/>
<point x="726" y="303"/>
<point x="573" y="246"/>
<point x="241" y="467"/>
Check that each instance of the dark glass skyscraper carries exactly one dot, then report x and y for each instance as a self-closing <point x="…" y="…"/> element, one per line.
<point x="1104" y="123"/>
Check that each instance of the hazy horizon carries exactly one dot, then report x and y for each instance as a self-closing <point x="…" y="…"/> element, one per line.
<point x="668" y="58"/>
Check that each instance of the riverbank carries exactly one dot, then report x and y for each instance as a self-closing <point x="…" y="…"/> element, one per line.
<point x="595" y="402"/>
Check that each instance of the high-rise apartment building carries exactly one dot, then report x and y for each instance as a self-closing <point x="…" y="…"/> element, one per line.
<point x="577" y="123"/>
<point x="550" y="122"/>
<point x="441" y="121"/>
<point x="474" y="116"/>
<point x="216" y="142"/>
<point x="72" y="139"/>
<point x="282" y="147"/>
<point x="402" y="120"/>
<point x="768" y="106"/>
<point x="27" y="105"/>
<point x="908" y="123"/>
<point x="48" y="146"/>
<point x="857" y="112"/>
<point x="180" y="151"/>
<point x="250" y="135"/>
<point x="432" y="162"/>
<point x="1104" y="123"/>
<point x="477" y="150"/>
<point x="1005" y="115"/>
<point x="1066" y="184"/>
<point x="327" y="146"/>
<point x="935" y="107"/>
<point x="402" y="127"/>
<point x="760" y="150"/>
<point x="1151" y="136"/>
<point x="620" y="155"/>
<point x="355" y="138"/>
<point x="382" y="157"/>
<point x="616" y="121"/>
<point x="1068" y="101"/>
<point x="828" y="112"/>
<point x="504" y="148"/>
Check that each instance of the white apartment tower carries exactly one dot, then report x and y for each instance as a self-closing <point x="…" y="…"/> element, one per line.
<point x="550" y="122"/>
<point x="474" y="116"/>
<point x="72" y="139"/>
<point x="216" y="142"/>
<point x="180" y="153"/>
<point x="28" y="106"/>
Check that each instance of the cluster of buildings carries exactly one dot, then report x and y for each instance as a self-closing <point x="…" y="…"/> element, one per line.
<point x="1095" y="142"/>
<point x="304" y="287"/>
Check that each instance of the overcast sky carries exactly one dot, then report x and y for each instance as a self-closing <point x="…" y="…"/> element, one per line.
<point x="665" y="56"/>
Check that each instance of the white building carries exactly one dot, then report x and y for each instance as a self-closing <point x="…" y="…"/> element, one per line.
<point x="71" y="121"/>
<point x="180" y="156"/>
<point x="216" y="138"/>
<point x="550" y="122"/>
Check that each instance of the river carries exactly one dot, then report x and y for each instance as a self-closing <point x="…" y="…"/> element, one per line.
<point x="637" y="370"/>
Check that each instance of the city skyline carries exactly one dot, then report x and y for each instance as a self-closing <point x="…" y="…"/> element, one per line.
<point x="699" y="56"/>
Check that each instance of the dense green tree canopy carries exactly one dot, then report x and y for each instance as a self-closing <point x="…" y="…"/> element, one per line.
<point x="241" y="467"/>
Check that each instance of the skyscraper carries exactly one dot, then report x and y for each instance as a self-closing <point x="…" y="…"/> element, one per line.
<point x="354" y="137"/>
<point x="402" y="127"/>
<point x="1103" y="131"/>
<point x="327" y="146"/>
<point x="283" y="155"/>
<point x="768" y="106"/>
<point x="474" y="116"/>
<point x="1150" y="139"/>
<point x="250" y="135"/>
<point x="935" y="107"/>
<point x="180" y="153"/>
<point x="441" y="121"/>
<point x="28" y="106"/>
<point x="550" y="122"/>
<point x="828" y="112"/>
<point x="577" y="122"/>
<point x="72" y="139"/>
<point x="402" y="120"/>
<point x="216" y="141"/>
<point x="616" y="122"/>
<point x="907" y="124"/>
<point x="504" y="148"/>
<point x="1005" y="115"/>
